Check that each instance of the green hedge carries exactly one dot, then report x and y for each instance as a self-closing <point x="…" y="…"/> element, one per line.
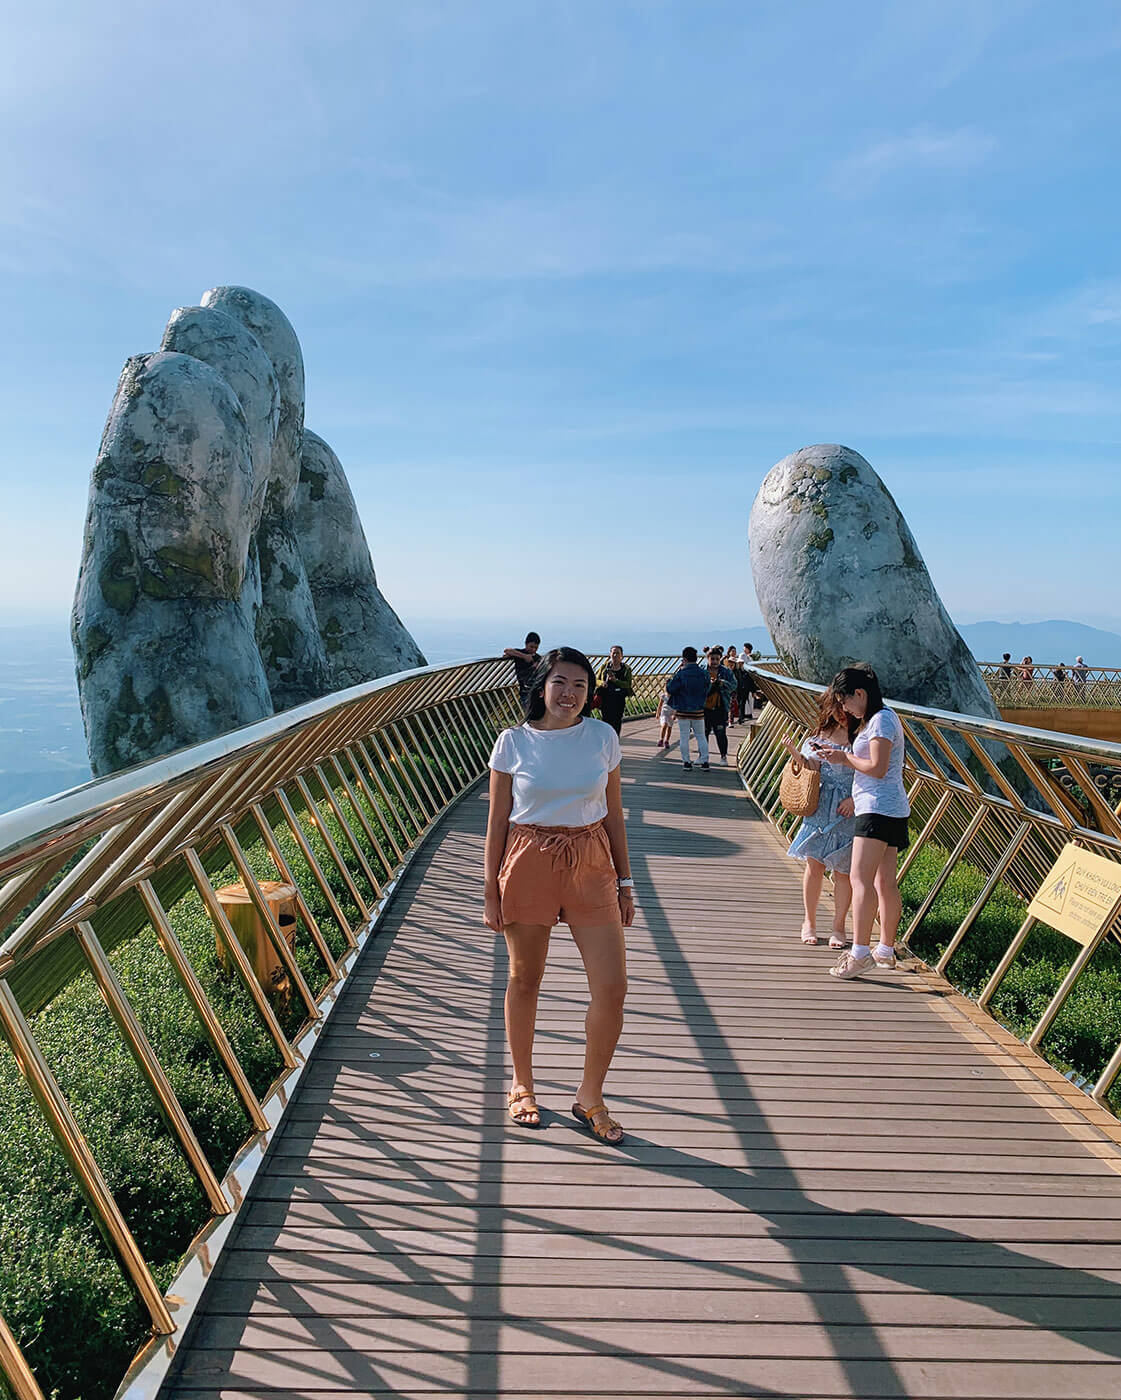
<point x="1086" y="1031"/>
<point x="60" y="1290"/>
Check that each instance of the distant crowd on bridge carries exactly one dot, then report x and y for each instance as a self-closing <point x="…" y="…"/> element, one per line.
<point x="1025" y="671"/>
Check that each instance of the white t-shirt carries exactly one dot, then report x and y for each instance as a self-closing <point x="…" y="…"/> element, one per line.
<point x="560" y="775"/>
<point x="885" y="795"/>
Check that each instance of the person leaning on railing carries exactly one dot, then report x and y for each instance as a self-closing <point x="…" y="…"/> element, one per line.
<point x="525" y="661"/>
<point x="556" y="851"/>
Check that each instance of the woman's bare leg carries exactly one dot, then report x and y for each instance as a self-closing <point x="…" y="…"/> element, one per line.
<point x="866" y="858"/>
<point x="527" y="945"/>
<point x="888" y="897"/>
<point x="812" y="878"/>
<point x="842" y="899"/>
<point x="605" y="962"/>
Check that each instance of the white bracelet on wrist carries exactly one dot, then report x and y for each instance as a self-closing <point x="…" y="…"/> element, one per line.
<point x="627" y="884"/>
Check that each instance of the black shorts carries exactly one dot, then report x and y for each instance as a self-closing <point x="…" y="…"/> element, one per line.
<point x="893" y="831"/>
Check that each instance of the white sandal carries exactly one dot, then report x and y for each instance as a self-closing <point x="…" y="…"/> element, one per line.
<point x="809" y="937"/>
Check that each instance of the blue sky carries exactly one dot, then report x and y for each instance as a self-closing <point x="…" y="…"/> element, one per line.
<point x="570" y="277"/>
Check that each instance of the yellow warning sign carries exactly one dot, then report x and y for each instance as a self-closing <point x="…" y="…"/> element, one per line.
<point x="1079" y="895"/>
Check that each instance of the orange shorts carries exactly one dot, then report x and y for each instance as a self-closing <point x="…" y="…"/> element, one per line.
<point x="554" y="874"/>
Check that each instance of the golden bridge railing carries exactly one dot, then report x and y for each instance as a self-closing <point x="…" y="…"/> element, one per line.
<point x="330" y="800"/>
<point x="990" y="798"/>
<point x="1015" y="686"/>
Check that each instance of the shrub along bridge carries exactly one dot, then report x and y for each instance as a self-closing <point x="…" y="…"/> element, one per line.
<point x="290" y="1167"/>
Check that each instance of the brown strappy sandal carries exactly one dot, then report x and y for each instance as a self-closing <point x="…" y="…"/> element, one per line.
<point x="528" y="1115"/>
<point x="598" y="1121"/>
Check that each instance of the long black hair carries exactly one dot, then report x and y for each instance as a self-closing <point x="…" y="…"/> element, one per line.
<point x="535" y="699"/>
<point x="854" y="678"/>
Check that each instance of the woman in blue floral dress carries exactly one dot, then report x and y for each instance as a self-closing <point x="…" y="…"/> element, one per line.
<point x="824" y="840"/>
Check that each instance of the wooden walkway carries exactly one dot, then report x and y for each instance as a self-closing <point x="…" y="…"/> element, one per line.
<point x="827" y="1189"/>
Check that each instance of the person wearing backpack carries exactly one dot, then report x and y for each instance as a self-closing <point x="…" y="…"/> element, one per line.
<point x="718" y="699"/>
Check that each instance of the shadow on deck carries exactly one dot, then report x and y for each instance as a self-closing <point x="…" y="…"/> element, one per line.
<point x="826" y="1189"/>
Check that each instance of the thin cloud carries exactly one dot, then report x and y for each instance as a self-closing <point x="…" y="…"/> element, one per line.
<point x="922" y="149"/>
<point x="1079" y="322"/>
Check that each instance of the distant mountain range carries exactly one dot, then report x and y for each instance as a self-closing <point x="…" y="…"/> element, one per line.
<point x="43" y="751"/>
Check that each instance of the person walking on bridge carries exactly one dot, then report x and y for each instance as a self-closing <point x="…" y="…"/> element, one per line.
<point x="613" y="684"/>
<point x="556" y="851"/>
<point x="687" y="689"/>
<point x="721" y="688"/>
<point x="665" y="719"/>
<point x="882" y="812"/>
<point x="747" y="703"/>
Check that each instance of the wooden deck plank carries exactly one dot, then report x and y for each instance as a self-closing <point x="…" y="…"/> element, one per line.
<point x="1013" y="1198"/>
<point x="999" y="1276"/>
<point x="947" y="1225"/>
<point x="911" y="1342"/>
<point x="747" y="1304"/>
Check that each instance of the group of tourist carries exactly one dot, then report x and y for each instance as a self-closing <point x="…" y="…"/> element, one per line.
<point x="1024" y="671"/>
<point x="861" y="821"/>
<point x="708" y="696"/>
<point x="556" y="843"/>
<point x="704" y="699"/>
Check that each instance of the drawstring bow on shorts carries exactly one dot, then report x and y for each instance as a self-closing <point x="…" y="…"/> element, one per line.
<point x="560" y="842"/>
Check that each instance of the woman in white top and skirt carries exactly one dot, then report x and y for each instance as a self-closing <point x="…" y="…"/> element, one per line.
<point x="882" y="813"/>
<point x="556" y="851"/>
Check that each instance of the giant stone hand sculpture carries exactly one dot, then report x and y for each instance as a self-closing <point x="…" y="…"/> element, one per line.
<point x="362" y="634"/>
<point x="218" y="583"/>
<point x="229" y="347"/>
<point x="287" y="632"/>
<point x="165" y="651"/>
<point x="839" y="579"/>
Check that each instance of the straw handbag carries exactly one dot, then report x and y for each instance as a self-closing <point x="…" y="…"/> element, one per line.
<point x="799" y="788"/>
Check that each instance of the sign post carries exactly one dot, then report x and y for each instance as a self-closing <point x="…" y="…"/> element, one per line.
<point x="1080" y="897"/>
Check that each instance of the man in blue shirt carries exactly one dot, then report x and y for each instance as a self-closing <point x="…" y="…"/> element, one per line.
<point x="687" y="689"/>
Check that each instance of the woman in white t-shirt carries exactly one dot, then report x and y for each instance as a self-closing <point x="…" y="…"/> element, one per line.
<point x="882" y="812"/>
<point x="556" y="850"/>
